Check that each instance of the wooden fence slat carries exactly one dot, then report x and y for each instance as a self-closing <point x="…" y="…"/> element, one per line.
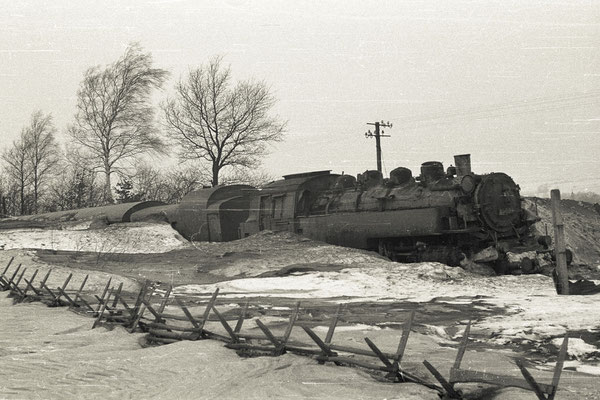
<point x="141" y="295"/>
<point x="463" y="346"/>
<point x="87" y="305"/>
<point x="54" y="299"/>
<point x="78" y="294"/>
<point x="268" y="334"/>
<point x="465" y="375"/>
<point x="161" y="333"/>
<point x="209" y="307"/>
<point x="117" y="295"/>
<point x="240" y="321"/>
<point x="16" y="284"/>
<point x="45" y="279"/>
<point x="333" y="324"/>
<point x="157" y="316"/>
<point x="66" y="296"/>
<point x="125" y="305"/>
<point x="324" y="347"/>
<point x="137" y="317"/>
<point x="288" y="331"/>
<point x="188" y="314"/>
<point x="379" y="354"/>
<point x="562" y="354"/>
<point x="20" y="277"/>
<point x="28" y="286"/>
<point x="10" y="281"/>
<point x="102" y="309"/>
<point x="106" y="287"/>
<point x="531" y="380"/>
<point x="445" y="384"/>
<point x="403" y="340"/>
<point x="165" y="326"/>
<point x="339" y="360"/>
<point x="163" y="303"/>
<point x="7" y="266"/>
<point x="225" y="324"/>
<point x="64" y="286"/>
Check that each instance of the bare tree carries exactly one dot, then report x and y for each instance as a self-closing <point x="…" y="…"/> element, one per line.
<point x="256" y="178"/>
<point x="18" y="169"/>
<point x="114" y="119"/>
<point x="225" y="125"/>
<point x="43" y="152"/>
<point x="76" y="186"/>
<point x="149" y="183"/>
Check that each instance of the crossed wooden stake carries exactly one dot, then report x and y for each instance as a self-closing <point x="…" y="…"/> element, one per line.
<point x="457" y="375"/>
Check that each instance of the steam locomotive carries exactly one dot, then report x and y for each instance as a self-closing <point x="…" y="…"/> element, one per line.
<point x="441" y="215"/>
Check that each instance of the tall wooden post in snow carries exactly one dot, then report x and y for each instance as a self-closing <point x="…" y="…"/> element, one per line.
<point x="559" y="244"/>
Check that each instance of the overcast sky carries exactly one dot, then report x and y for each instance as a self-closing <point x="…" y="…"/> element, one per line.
<point x="514" y="83"/>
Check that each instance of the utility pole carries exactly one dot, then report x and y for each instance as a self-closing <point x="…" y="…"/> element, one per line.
<point x="562" y="286"/>
<point x="379" y="133"/>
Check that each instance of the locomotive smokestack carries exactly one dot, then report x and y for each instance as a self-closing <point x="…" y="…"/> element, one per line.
<point x="463" y="164"/>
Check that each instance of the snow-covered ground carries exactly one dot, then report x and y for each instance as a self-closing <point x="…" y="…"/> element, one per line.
<point x="534" y="312"/>
<point x="266" y="265"/>
<point x="117" y="238"/>
<point x="50" y="353"/>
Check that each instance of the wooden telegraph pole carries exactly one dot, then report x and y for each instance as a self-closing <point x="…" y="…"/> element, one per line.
<point x="379" y="133"/>
<point x="562" y="286"/>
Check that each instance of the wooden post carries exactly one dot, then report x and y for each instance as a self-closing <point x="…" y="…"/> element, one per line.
<point x="103" y="294"/>
<point x="333" y="324"/>
<point x="163" y="304"/>
<point x="559" y="244"/>
<point x="6" y="269"/>
<point x="240" y="321"/>
<point x="80" y="289"/>
<point x="31" y="280"/>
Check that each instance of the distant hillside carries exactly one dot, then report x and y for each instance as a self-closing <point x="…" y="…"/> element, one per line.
<point x="582" y="226"/>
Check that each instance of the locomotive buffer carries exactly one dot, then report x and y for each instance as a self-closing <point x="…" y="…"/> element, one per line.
<point x="379" y="133"/>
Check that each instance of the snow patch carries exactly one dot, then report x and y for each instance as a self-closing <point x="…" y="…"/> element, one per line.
<point x="578" y="348"/>
<point x="117" y="238"/>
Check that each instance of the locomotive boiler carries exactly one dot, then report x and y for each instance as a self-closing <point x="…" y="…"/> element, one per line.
<point x="440" y="215"/>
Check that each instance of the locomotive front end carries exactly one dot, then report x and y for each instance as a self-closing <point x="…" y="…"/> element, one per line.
<point x="498" y="202"/>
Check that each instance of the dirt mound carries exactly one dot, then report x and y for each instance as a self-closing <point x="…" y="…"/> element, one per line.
<point x="582" y="227"/>
<point x="268" y="253"/>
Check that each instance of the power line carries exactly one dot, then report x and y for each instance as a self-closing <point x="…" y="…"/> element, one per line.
<point x="539" y="104"/>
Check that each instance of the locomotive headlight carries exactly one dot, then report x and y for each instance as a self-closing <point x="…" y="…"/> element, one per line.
<point x="467" y="184"/>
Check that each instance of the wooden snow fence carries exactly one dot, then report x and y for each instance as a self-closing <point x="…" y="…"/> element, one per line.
<point x="146" y="312"/>
<point x="459" y="375"/>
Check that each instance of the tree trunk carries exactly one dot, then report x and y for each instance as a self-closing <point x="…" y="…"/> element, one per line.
<point x="22" y="189"/>
<point x="108" y="197"/>
<point x="35" y="191"/>
<point x="215" y="175"/>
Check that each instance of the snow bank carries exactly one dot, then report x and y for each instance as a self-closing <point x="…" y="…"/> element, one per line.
<point x="578" y="348"/>
<point x="117" y="238"/>
<point x="51" y="353"/>
<point x="385" y="281"/>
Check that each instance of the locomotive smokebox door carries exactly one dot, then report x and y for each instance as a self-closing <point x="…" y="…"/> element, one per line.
<point x="499" y="202"/>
